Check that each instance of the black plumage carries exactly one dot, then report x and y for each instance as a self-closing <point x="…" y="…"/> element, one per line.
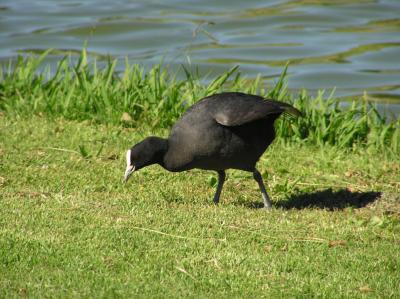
<point x="223" y="131"/>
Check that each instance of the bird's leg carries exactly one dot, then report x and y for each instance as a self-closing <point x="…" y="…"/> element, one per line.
<point x="221" y="180"/>
<point x="257" y="176"/>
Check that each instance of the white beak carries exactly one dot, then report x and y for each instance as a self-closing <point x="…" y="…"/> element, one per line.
<point x="128" y="172"/>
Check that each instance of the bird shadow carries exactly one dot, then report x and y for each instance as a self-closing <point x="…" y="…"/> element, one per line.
<point x="324" y="199"/>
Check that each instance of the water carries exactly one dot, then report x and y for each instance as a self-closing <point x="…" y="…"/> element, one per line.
<point x="350" y="45"/>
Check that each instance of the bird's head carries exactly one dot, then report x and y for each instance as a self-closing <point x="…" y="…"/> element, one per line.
<point x="147" y="152"/>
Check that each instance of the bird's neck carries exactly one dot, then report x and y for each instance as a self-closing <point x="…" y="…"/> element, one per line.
<point x="162" y="155"/>
<point x="160" y="145"/>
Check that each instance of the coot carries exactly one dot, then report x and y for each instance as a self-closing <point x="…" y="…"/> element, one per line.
<point x="223" y="131"/>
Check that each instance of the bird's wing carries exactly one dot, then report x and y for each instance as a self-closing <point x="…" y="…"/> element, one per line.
<point x="235" y="109"/>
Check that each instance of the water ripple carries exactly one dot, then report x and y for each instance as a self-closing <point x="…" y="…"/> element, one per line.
<point x="352" y="45"/>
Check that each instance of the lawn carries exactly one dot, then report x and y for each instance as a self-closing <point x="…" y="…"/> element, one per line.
<point x="70" y="227"/>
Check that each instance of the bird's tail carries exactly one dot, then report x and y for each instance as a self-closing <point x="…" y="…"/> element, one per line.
<point x="289" y="110"/>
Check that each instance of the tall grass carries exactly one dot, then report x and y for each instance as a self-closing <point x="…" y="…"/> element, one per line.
<point x="83" y="91"/>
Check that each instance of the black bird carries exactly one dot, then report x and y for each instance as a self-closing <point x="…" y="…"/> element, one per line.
<point x="222" y="131"/>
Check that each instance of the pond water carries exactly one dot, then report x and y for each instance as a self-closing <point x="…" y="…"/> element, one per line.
<point x="350" y="45"/>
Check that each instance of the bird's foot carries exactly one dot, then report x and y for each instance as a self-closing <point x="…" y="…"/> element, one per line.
<point x="267" y="203"/>
<point x="267" y="207"/>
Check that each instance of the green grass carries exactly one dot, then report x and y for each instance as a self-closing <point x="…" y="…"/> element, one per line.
<point x="82" y="91"/>
<point x="69" y="227"/>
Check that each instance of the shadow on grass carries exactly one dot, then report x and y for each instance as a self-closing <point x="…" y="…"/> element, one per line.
<point x="324" y="199"/>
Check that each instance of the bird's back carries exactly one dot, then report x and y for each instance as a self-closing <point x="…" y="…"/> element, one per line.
<point x="228" y="130"/>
